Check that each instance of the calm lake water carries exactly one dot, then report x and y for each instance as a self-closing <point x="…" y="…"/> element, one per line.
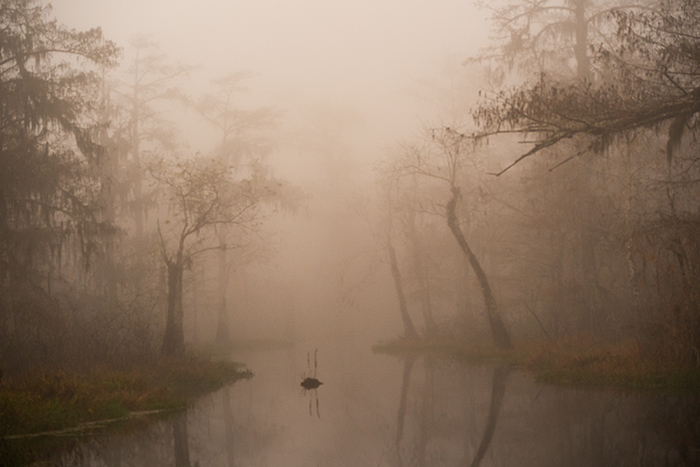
<point x="378" y="410"/>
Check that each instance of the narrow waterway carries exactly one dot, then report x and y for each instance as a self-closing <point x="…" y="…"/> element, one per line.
<point x="378" y="410"/>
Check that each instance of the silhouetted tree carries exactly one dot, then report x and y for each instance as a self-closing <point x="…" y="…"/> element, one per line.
<point x="648" y="78"/>
<point x="202" y="194"/>
<point x="409" y="328"/>
<point x="545" y="35"/>
<point x="243" y="140"/>
<point x="49" y="92"/>
<point x="646" y="82"/>
<point x="444" y="159"/>
<point x="557" y="38"/>
<point x="388" y="185"/>
<point x="152" y="80"/>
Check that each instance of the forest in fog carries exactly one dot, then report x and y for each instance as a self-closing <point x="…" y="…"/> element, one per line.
<point x="147" y="208"/>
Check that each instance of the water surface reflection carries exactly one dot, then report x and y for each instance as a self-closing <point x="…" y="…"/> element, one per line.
<point x="377" y="410"/>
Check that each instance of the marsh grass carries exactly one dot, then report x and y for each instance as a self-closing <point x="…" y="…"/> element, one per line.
<point x="581" y="361"/>
<point x="55" y="400"/>
<point x="45" y="409"/>
<point x="618" y="365"/>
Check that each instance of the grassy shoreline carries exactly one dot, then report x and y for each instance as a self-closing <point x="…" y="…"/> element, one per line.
<point x="38" y="411"/>
<point x="580" y="363"/>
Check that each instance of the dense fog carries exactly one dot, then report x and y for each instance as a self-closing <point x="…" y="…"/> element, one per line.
<point x="215" y="173"/>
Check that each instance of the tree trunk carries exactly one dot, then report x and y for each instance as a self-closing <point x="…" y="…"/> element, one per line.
<point x="174" y="339"/>
<point x="409" y="329"/>
<point x="223" y="332"/>
<point x="628" y="194"/>
<point x="108" y="171"/>
<point x="583" y="65"/>
<point x="421" y="277"/>
<point x="593" y="321"/>
<point x="137" y="170"/>
<point x="499" y="333"/>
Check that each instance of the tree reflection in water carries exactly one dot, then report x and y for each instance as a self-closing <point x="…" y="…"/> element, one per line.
<point x="499" y="382"/>
<point x="414" y="412"/>
<point x="313" y="401"/>
<point x="180" y="442"/>
<point x="229" y="435"/>
<point x="407" y="367"/>
<point x="311" y="384"/>
<point x="419" y="452"/>
<point x="448" y="406"/>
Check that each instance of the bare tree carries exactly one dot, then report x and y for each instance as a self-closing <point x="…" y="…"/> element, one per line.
<point x="646" y="84"/>
<point x="152" y="79"/>
<point x="201" y="194"/>
<point x="444" y="160"/>
<point x="243" y="140"/>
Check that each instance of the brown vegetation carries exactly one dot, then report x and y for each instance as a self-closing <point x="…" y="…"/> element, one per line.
<point x="55" y="400"/>
<point x="581" y="361"/>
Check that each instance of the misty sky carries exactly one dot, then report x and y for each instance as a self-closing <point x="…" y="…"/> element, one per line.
<point x="379" y="57"/>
